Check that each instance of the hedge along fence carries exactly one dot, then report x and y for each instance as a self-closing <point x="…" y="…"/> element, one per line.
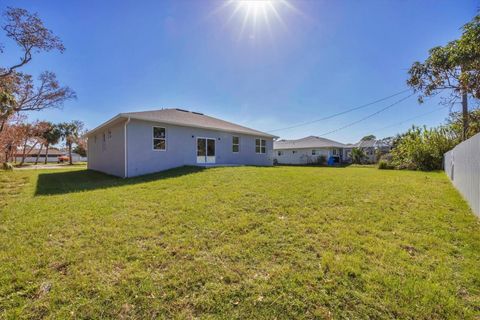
<point x="462" y="166"/>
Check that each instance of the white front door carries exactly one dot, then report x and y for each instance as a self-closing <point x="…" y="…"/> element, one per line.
<point x="205" y="150"/>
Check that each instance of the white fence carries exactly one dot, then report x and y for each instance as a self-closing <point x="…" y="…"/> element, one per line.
<point x="462" y="165"/>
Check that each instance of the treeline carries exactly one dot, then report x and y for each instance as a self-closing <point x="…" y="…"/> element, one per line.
<point x="19" y="136"/>
<point x="422" y="148"/>
<point x="21" y="92"/>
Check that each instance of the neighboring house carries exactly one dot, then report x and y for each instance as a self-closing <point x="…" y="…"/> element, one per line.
<point x="137" y="143"/>
<point x="308" y="150"/>
<point x="77" y="158"/>
<point x="31" y="156"/>
<point x="371" y="148"/>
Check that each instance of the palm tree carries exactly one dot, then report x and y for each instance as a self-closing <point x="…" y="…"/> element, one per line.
<point x="357" y="155"/>
<point x="70" y="132"/>
<point x="51" y="136"/>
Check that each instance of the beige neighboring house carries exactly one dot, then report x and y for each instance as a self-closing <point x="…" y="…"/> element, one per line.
<point x="308" y="150"/>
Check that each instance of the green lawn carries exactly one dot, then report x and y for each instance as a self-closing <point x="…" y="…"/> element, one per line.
<point x="243" y="242"/>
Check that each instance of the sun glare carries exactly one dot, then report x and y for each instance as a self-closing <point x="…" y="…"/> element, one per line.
<point x="257" y="14"/>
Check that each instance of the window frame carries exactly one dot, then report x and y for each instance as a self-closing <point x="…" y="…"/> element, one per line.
<point x="260" y="145"/>
<point x="153" y="138"/>
<point x="314" y="152"/>
<point x="236" y="144"/>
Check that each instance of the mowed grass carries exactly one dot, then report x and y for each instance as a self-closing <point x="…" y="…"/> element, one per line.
<point x="243" y="242"/>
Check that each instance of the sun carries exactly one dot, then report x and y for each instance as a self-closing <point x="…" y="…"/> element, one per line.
<point x="256" y="5"/>
<point x="255" y="15"/>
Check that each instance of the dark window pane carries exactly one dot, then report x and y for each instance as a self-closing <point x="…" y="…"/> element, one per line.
<point x="257" y="142"/>
<point x="158" y="132"/>
<point x="257" y="149"/>
<point x="236" y="140"/>
<point x="235" y="148"/>
<point x="264" y="150"/>
<point x="264" y="143"/>
<point x="201" y="148"/>
<point x="159" y="144"/>
<point x="210" y="148"/>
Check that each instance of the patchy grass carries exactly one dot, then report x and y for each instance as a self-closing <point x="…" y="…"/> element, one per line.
<point x="245" y="242"/>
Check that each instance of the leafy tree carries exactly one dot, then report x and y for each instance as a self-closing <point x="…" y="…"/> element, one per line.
<point x="30" y="137"/>
<point x="455" y="124"/>
<point x="71" y="132"/>
<point x="358" y="156"/>
<point x="11" y="137"/>
<point x="80" y="150"/>
<point x="454" y="67"/>
<point x="369" y="138"/>
<point x="18" y="92"/>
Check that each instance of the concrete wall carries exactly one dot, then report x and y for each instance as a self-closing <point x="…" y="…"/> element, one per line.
<point x="462" y="166"/>
<point x="107" y="156"/>
<point x="181" y="148"/>
<point x="302" y="156"/>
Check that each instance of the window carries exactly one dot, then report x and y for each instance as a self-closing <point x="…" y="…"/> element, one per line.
<point x="334" y="152"/>
<point x="104" y="142"/>
<point x="294" y="151"/>
<point x="314" y="152"/>
<point x="260" y="146"/>
<point x="159" y="139"/>
<point x="109" y="134"/>
<point x="280" y="153"/>
<point x="235" y="144"/>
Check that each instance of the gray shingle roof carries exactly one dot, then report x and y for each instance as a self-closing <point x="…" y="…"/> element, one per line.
<point x="310" y="142"/>
<point x="370" y="144"/>
<point x="188" y="119"/>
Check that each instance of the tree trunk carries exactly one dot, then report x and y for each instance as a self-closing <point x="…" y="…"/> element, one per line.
<point x="38" y="154"/>
<point x="465" y="115"/>
<point x="23" y="153"/>
<point x="46" y="153"/>
<point x="70" y="153"/>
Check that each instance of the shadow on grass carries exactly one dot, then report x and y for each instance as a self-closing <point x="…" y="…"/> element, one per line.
<point x="53" y="183"/>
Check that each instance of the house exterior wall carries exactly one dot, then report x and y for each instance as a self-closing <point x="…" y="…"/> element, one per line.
<point x="107" y="156"/>
<point x="181" y="148"/>
<point x="303" y="156"/>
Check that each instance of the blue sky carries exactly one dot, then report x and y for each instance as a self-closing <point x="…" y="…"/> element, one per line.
<point x="310" y="61"/>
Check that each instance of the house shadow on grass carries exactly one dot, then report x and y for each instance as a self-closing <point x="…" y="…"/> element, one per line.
<point x="54" y="183"/>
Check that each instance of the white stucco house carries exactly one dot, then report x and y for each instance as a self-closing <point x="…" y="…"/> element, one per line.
<point x="308" y="150"/>
<point x="137" y="143"/>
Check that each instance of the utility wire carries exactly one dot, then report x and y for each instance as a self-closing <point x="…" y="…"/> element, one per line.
<point x="341" y="113"/>
<point x="367" y="117"/>
<point x="410" y="119"/>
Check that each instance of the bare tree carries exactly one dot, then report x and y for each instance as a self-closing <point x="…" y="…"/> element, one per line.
<point x="18" y="91"/>
<point x="28" y="31"/>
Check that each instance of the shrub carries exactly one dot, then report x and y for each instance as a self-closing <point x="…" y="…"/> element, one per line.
<point x="7" y="166"/>
<point x="322" y="160"/>
<point x="422" y="148"/>
<point x="358" y="156"/>
<point x="384" y="165"/>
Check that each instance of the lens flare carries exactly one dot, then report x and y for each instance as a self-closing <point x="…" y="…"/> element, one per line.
<point x="255" y="15"/>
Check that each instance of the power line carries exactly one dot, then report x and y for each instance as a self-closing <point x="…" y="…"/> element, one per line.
<point x="341" y="113"/>
<point x="367" y="117"/>
<point x="410" y="119"/>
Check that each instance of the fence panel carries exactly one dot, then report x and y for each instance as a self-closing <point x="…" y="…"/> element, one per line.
<point x="462" y="166"/>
